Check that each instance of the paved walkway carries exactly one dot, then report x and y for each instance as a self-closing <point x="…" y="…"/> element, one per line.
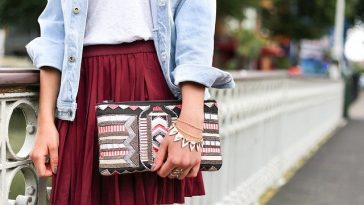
<point x="335" y="175"/>
<point x="356" y="111"/>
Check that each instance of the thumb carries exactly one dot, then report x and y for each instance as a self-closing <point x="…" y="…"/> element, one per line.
<point x="53" y="154"/>
<point x="161" y="155"/>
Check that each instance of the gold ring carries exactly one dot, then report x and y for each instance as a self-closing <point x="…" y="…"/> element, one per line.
<point x="172" y="175"/>
<point x="176" y="173"/>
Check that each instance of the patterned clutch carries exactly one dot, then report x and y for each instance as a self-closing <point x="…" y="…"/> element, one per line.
<point x="130" y="134"/>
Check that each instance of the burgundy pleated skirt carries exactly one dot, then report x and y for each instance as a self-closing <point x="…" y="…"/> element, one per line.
<point x="123" y="72"/>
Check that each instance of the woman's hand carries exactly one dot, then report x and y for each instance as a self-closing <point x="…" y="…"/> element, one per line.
<point x="46" y="144"/>
<point x="171" y="155"/>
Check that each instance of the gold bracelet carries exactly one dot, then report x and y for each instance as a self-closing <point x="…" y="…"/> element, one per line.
<point x="187" y="133"/>
<point x="178" y="136"/>
<point x="187" y="123"/>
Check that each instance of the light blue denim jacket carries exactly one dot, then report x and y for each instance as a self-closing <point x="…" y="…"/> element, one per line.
<point x="183" y="34"/>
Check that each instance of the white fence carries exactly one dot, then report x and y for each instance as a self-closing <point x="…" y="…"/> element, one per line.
<point x="268" y="122"/>
<point x="18" y="114"/>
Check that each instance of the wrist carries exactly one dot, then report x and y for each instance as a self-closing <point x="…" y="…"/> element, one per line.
<point x="192" y="102"/>
<point x="192" y="111"/>
<point x="45" y="120"/>
<point x="195" y="117"/>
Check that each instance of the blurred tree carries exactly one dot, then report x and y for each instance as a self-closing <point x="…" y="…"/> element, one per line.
<point x="234" y="8"/>
<point x="299" y="18"/>
<point x="235" y="48"/>
<point x="355" y="11"/>
<point x="20" y="13"/>
<point x="248" y="49"/>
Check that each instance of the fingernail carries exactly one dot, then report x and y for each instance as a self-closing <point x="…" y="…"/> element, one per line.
<point x="55" y="170"/>
<point x="153" y="167"/>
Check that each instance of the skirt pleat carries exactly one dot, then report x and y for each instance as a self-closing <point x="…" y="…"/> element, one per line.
<point x="124" y="72"/>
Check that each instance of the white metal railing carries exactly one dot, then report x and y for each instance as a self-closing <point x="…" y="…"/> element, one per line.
<point x="18" y="105"/>
<point x="268" y="122"/>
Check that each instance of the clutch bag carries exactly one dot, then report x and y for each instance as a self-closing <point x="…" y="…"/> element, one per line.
<point x="130" y="133"/>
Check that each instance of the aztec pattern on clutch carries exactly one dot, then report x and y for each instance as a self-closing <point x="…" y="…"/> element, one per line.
<point x="130" y="134"/>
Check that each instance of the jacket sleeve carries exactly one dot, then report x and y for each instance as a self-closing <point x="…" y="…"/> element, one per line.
<point x="48" y="49"/>
<point x="195" y="28"/>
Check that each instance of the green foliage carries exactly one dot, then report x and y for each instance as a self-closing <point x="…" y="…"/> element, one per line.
<point x="355" y="10"/>
<point x="358" y="68"/>
<point x="299" y="18"/>
<point x="234" y="8"/>
<point x="282" y="62"/>
<point x="250" y="43"/>
<point x="20" y="13"/>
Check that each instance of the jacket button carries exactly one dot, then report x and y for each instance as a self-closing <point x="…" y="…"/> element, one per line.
<point x="71" y="59"/>
<point x="76" y="10"/>
<point x="162" y="2"/>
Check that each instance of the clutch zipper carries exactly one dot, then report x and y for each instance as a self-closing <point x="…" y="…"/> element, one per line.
<point x="150" y="102"/>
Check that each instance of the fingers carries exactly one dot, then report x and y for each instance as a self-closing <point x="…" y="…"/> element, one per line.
<point x="166" y="168"/>
<point x="53" y="153"/>
<point x="184" y="173"/>
<point x="194" y="171"/>
<point x="176" y="158"/>
<point x="189" y="167"/>
<point x="40" y="164"/>
<point x="172" y="156"/>
<point x="187" y="164"/>
<point x="161" y="155"/>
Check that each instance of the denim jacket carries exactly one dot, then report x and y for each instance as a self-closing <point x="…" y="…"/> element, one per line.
<point x="183" y="57"/>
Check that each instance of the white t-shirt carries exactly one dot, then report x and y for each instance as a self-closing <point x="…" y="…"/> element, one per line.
<point x="118" y="21"/>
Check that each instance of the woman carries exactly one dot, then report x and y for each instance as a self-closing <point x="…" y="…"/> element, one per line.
<point x="90" y="51"/>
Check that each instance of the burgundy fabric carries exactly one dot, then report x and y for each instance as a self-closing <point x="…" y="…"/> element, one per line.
<point x="121" y="72"/>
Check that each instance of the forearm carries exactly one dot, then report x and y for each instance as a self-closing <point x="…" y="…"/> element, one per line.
<point x="173" y="153"/>
<point x="192" y="102"/>
<point x="49" y="88"/>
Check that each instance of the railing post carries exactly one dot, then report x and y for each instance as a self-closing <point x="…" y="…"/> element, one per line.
<point x="18" y="101"/>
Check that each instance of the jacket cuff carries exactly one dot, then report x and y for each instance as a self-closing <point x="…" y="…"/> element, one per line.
<point x="206" y="75"/>
<point x="44" y="52"/>
<point x="66" y="111"/>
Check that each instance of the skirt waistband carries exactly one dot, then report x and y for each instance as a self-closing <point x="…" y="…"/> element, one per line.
<point x="139" y="46"/>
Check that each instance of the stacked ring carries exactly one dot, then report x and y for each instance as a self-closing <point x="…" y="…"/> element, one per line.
<point x="176" y="173"/>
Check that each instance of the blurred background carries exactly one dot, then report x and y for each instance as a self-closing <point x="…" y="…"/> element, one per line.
<point x="250" y="34"/>
<point x="284" y="55"/>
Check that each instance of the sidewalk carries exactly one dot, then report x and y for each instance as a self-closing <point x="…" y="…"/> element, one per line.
<point x="356" y="111"/>
<point x="335" y="175"/>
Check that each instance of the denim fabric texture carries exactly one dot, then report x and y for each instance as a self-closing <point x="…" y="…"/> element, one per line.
<point x="183" y="34"/>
